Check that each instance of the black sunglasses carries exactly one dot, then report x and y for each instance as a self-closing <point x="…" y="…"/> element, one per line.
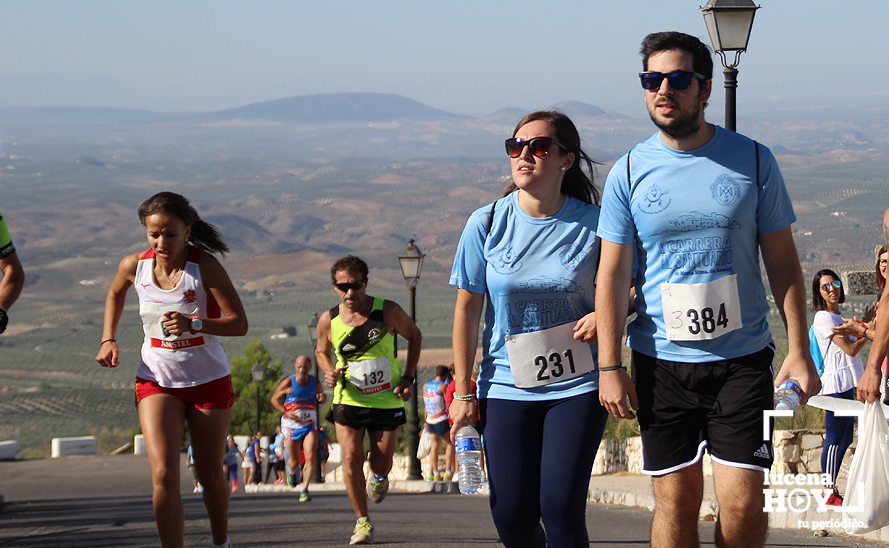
<point x="538" y="146"/>
<point x="836" y="284"/>
<point x="354" y="286"/>
<point x="679" y="79"/>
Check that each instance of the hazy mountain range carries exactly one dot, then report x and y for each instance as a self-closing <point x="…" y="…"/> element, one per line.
<point x="296" y="183"/>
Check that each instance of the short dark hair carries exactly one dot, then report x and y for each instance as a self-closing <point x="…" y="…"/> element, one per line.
<point x="349" y="263"/>
<point x="817" y="301"/>
<point x="664" y="41"/>
<point x="442" y="371"/>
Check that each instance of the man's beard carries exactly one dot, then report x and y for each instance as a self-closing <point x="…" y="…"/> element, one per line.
<point x="686" y="125"/>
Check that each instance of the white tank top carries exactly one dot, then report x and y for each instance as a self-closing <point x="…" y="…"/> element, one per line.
<point x="185" y="360"/>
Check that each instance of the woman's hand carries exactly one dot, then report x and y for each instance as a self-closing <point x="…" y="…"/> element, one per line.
<point x="109" y="354"/>
<point x="176" y="323"/>
<point x="461" y="413"/>
<point x="870" y="312"/>
<point x="585" y="329"/>
<point x="849" y="327"/>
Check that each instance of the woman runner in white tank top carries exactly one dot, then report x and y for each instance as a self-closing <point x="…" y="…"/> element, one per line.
<point x="186" y="301"/>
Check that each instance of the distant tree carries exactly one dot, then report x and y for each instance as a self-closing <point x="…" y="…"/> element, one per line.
<point x="244" y="412"/>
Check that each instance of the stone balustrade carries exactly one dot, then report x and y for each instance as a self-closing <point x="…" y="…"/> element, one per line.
<point x="796" y="452"/>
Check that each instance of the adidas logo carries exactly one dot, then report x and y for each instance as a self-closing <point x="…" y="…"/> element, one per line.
<point x="763" y="452"/>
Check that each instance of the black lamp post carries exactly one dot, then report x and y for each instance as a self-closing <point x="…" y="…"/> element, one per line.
<point x="313" y="334"/>
<point x="729" y="23"/>
<point x="411" y="260"/>
<point x="258" y="373"/>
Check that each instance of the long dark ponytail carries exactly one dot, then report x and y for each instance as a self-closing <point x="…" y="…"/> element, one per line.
<point x="575" y="182"/>
<point x="203" y="234"/>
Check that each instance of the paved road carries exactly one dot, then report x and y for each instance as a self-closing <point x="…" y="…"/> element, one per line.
<point x="279" y="520"/>
<point x="104" y="501"/>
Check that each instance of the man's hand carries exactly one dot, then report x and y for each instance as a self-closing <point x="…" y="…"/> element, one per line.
<point x="801" y="369"/>
<point x="869" y="385"/>
<point x="614" y="387"/>
<point x="404" y="390"/>
<point x="330" y="377"/>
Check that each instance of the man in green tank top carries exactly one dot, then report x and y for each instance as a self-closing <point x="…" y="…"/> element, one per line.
<point x="369" y="386"/>
<point x="13" y="274"/>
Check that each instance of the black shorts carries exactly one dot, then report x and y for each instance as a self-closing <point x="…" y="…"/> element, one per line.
<point x="440" y="429"/>
<point x="374" y="420"/>
<point x="686" y="407"/>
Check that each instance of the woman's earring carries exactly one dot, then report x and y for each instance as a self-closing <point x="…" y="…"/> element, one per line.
<point x="563" y="168"/>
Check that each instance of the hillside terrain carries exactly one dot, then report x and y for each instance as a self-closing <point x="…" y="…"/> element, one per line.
<point x="295" y="184"/>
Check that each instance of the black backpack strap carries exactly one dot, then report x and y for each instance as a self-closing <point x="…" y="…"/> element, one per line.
<point x="756" y="155"/>
<point x="628" y="165"/>
<point x="491" y="218"/>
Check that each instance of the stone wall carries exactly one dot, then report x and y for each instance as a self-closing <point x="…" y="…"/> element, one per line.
<point x="796" y="452"/>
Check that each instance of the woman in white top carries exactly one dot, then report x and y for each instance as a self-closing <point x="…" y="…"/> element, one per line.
<point x="186" y="301"/>
<point x="842" y="369"/>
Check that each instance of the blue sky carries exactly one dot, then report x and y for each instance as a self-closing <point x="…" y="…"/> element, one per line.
<point x="460" y="56"/>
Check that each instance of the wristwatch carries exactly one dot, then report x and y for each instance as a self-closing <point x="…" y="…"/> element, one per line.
<point x="196" y="325"/>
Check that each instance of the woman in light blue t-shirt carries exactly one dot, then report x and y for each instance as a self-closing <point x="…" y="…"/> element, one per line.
<point x="531" y="257"/>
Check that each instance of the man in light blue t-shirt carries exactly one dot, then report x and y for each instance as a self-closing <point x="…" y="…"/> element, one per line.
<point x="697" y="204"/>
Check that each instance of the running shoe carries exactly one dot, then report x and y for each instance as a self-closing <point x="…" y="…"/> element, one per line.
<point x="291" y="480"/>
<point x="834" y="500"/>
<point x="447" y="476"/>
<point x="363" y="533"/>
<point x="304" y="496"/>
<point x="430" y="477"/>
<point x="377" y="488"/>
<point x="436" y="477"/>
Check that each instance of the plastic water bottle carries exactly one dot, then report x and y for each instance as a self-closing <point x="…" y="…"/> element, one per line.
<point x="469" y="453"/>
<point x="787" y="395"/>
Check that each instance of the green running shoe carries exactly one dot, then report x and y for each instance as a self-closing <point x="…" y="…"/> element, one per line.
<point x="377" y="488"/>
<point x="363" y="533"/>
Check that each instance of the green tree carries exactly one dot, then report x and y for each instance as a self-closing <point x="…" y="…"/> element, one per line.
<point x="244" y="412"/>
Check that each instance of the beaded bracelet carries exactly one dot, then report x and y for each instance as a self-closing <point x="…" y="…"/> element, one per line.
<point x="467" y="397"/>
<point x="612" y="368"/>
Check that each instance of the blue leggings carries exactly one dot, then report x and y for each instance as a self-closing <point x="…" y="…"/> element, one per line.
<point x="838" y="438"/>
<point x="540" y="455"/>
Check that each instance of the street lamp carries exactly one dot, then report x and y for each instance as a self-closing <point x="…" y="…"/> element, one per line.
<point x="258" y="373"/>
<point x="313" y="335"/>
<point x="411" y="260"/>
<point x="729" y="23"/>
